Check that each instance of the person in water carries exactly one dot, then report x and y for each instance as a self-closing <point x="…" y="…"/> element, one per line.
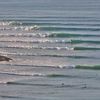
<point x="4" y="58"/>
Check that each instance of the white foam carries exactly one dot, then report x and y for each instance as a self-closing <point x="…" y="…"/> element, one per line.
<point x="15" y="25"/>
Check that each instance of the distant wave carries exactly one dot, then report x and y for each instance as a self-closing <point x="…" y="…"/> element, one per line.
<point x="69" y="29"/>
<point x="8" y="23"/>
<point x="14" y="25"/>
<point x="30" y="84"/>
<point x="51" y="48"/>
<point x="40" y="22"/>
<point x="36" y="47"/>
<point x="11" y="97"/>
<point x="93" y="67"/>
<point x="64" y="35"/>
<point x="36" y="41"/>
<point x="20" y="35"/>
<point x="86" y="48"/>
<point x="21" y="25"/>
<point x="43" y="66"/>
<point x="60" y="24"/>
<point x="87" y="67"/>
<point x="50" y="55"/>
<point x="50" y="35"/>
<point x="22" y="74"/>
<point x="57" y="85"/>
<point x="53" y="75"/>
<point x="72" y="41"/>
<point x="22" y="28"/>
<point x="85" y="41"/>
<point x="69" y="76"/>
<point x="55" y="19"/>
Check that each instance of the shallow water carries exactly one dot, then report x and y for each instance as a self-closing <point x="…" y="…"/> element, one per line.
<point x="55" y="47"/>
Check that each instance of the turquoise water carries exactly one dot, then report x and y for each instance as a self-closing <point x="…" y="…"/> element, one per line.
<point x="55" y="47"/>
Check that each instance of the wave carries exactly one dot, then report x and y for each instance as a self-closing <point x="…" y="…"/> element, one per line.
<point x="61" y="76"/>
<point x="86" y="48"/>
<point x="36" y="41"/>
<point x="69" y="76"/>
<point x="53" y="75"/>
<point x="60" y="85"/>
<point x="60" y="24"/>
<point x="64" y="35"/>
<point x="49" y="17"/>
<point x="69" y="29"/>
<point x="57" y="85"/>
<point x="94" y="67"/>
<point x="37" y="22"/>
<point x="36" y="47"/>
<point x="50" y="55"/>
<point x="91" y="67"/>
<point x="22" y="28"/>
<point x="14" y="25"/>
<point x="85" y="41"/>
<point x="20" y="35"/>
<point x="53" y="41"/>
<point x="51" y="48"/>
<point x="50" y="35"/>
<point x="21" y="74"/>
<point x="43" y="66"/>
<point x="17" y="83"/>
<point x="9" y="23"/>
<point x="11" y="97"/>
<point x="18" y="25"/>
<point x="55" y="19"/>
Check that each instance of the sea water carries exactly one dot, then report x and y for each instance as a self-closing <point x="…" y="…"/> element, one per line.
<point x="55" y="49"/>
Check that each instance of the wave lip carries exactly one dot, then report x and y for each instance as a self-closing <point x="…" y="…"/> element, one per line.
<point x="64" y="35"/>
<point x="36" y="47"/>
<point x="61" y="85"/>
<point x="93" y="67"/>
<point x="15" y="25"/>
<point x="22" y="74"/>
<point x="86" y="48"/>
<point x="9" y="23"/>
<point x="69" y="29"/>
<point x="50" y="35"/>
<point x="85" y="41"/>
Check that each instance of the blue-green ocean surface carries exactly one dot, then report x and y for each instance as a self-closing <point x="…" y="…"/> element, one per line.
<point x="55" y="49"/>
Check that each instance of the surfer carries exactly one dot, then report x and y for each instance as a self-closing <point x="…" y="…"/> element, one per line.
<point x="4" y="58"/>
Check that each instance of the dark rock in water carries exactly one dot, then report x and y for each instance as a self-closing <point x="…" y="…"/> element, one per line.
<point x="4" y="58"/>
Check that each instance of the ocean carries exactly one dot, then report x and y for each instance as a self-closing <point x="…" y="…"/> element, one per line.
<point x="55" y="49"/>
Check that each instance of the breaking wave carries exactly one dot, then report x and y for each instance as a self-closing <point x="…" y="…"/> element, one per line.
<point x="50" y="48"/>
<point x="92" y="67"/>
<point x="22" y="74"/>
<point x="36" y="47"/>
<point x="60" y="85"/>
<point x="49" y="35"/>
<point x="85" y="41"/>
<point x="14" y="25"/>
<point x="50" y="55"/>
<point x="69" y="29"/>
<point x="86" y="48"/>
<point x="9" y="23"/>
<point x="64" y="35"/>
